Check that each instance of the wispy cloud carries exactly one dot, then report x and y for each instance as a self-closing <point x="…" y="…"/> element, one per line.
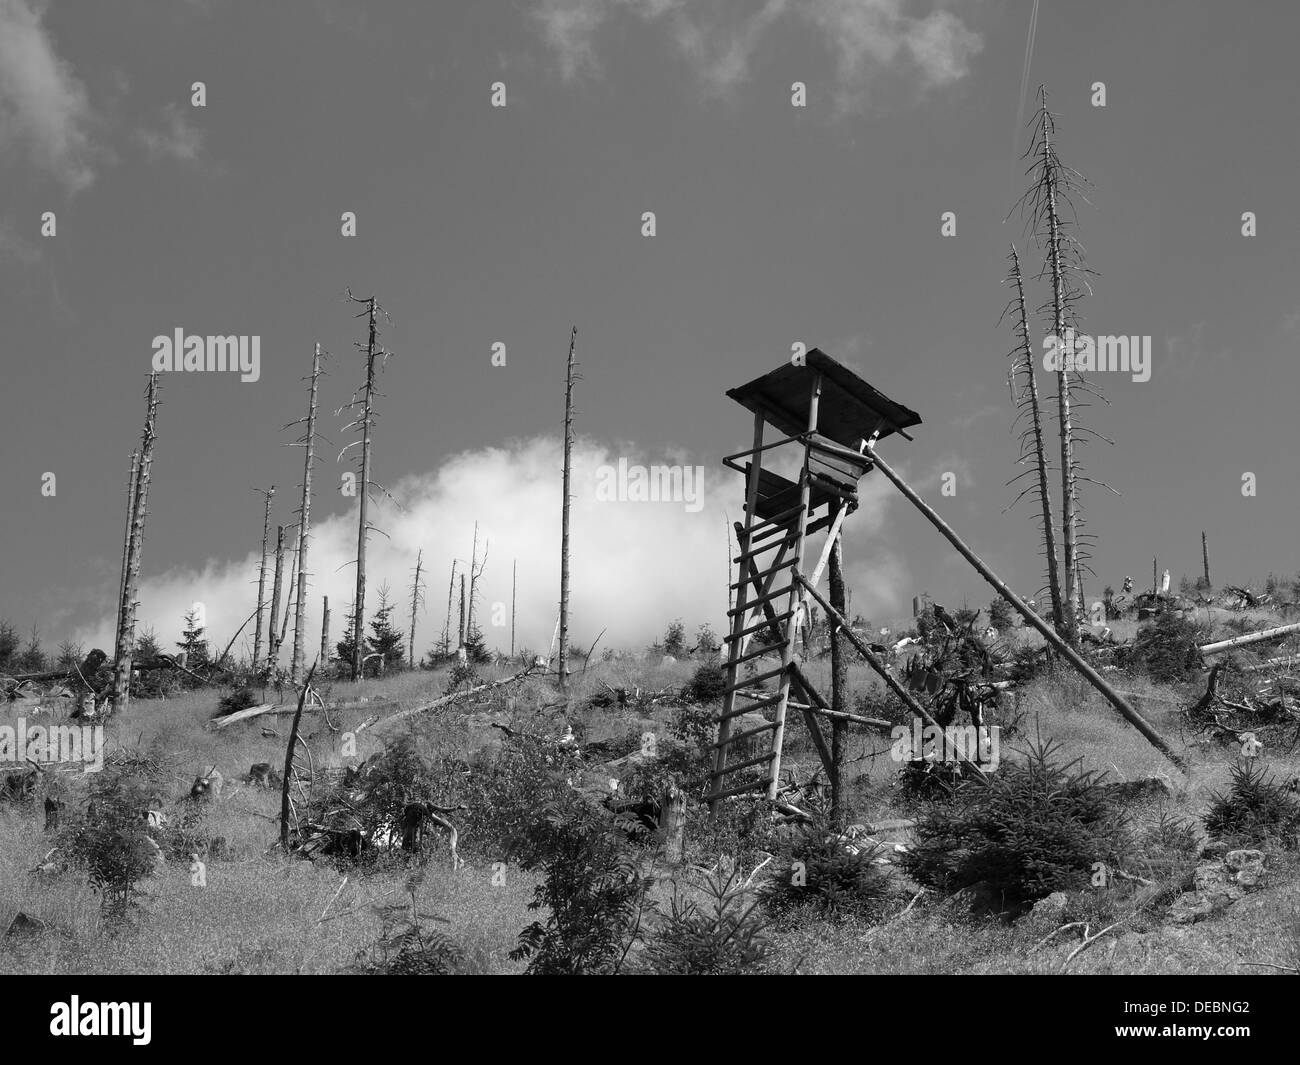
<point x="719" y="40"/>
<point x="44" y="108"/>
<point x="175" y="137"/>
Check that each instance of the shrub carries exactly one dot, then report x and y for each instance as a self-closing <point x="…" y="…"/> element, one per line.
<point x="708" y="683"/>
<point x="1037" y="826"/>
<point x="240" y="697"/>
<point x="674" y="641"/>
<point x="820" y="873"/>
<point x="727" y="939"/>
<point x="507" y="794"/>
<point x="1255" y="808"/>
<point x="1001" y="616"/>
<point x="591" y="886"/>
<point x="706" y="640"/>
<point x="405" y="947"/>
<point x="1167" y="649"/>
<point x="110" y="840"/>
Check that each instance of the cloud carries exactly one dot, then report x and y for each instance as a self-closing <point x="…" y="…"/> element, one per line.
<point x="43" y="106"/>
<point x="15" y="248"/>
<point x="867" y="38"/>
<point x="635" y="565"/>
<point x="176" y="138"/>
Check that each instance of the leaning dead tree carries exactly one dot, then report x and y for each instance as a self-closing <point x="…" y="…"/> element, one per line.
<point x="364" y="401"/>
<point x="132" y="474"/>
<point x="261" y="579"/>
<point x="569" y="377"/>
<point x="1023" y="381"/>
<point x="139" y="509"/>
<point x="446" y="628"/>
<point x="308" y="442"/>
<point x="417" y="601"/>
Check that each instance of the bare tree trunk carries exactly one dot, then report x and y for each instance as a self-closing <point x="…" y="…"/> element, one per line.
<point x="1034" y="437"/>
<point x="363" y="529"/>
<point x="288" y="761"/>
<point x="563" y="666"/>
<point x="122" y="606"/>
<point x="473" y="580"/>
<point x="839" y="688"/>
<point x="272" y="644"/>
<point x="1205" y="559"/>
<point x="417" y="597"/>
<point x="261" y="582"/>
<point x="514" y="596"/>
<point x="139" y="512"/>
<point x="325" y="631"/>
<point x="304" y="527"/>
<point x="462" y="612"/>
<point x="446" y="628"/>
<point x="288" y="600"/>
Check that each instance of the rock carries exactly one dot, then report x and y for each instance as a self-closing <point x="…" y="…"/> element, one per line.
<point x="1246" y="867"/>
<point x="22" y="927"/>
<point x="1049" y="912"/>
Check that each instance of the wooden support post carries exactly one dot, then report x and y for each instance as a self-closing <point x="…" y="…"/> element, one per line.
<point x="1061" y="647"/>
<point x="839" y="677"/>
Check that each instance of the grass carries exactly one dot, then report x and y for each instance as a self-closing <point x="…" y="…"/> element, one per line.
<point x="260" y="912"/>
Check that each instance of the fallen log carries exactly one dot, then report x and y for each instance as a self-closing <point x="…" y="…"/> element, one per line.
<point x="248" y="712"/>
<point x="1250" y="637"/>
<point x="452" y="697"/>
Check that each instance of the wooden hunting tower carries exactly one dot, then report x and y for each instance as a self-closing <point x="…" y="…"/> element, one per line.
<point x="829" y="412"/>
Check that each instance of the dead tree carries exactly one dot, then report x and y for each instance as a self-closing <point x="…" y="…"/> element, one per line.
<point x="307" y="441"/>
<point x="475" y="572"/>
<point x="1032" y="445"/>
<point x="514" y="595"/>
<point x="1205" y="560"/>
<point x="1049" y="197"/>
<point x="272" y="644"/>
<point x="417" y="600"/>
<point x="461" y="637"/>
<point x="569" y="377"/>
<point x="364" y="424"/>
<point x="261" y="580"/>
<point x="288" y="776"/>
<point x="446" y="628"/>
<point x="132" y="474"/>
<point x="325" y="629"/>
<point x="288" y="600"/>
<point x="125" y="642"/>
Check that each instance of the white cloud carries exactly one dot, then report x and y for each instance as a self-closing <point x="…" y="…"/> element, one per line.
<point x="867" y="37"/>
<point x="176" y="138"/>
<point x="43" y="106"/>
<point x="635" y="566"/>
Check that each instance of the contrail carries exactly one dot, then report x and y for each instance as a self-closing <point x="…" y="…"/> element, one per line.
<point x="1024" y="84"/>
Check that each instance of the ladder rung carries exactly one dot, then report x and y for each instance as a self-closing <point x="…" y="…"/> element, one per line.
<point x="754" y="681"/>
<point x="746" y="764"/>
<point x="788" y="528"/>
<point x="736" y="711"/>
<point x="747" y="607"/>
<point x="740" y="789"/>
<point x="733" y="637"/>
<point x="744" y="735"/>
<point x="818" y="525"/>
<point x="776" y="519"/>
<point x="746" y="556"/>
<point x="768" y="650"/>
<point x="763" y="573"/>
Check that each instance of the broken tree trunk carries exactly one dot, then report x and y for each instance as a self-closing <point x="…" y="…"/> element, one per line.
<point x="564" y="519"/>
<point x="272" y="645"/>
<point x="1062" y="648"/>
<point x="288" y="761"/>
<point x="304" y="528"/>
<point x="451" y="698"/>
<point x="363" y="529"/>
<point x="417" y="597"/>
<point x="514" y="594"/>
<point x="261" y="581"/>
<point x="325" y="630"/>
<point x="139" y="512"/>
<point x="126" y="549"/>
<point x="1205" y="560"/>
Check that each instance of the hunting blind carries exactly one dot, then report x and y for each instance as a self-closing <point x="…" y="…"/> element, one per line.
<point x="830" y="414"/>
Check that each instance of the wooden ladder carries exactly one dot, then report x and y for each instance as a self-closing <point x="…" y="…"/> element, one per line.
<point x="784" y="532"/>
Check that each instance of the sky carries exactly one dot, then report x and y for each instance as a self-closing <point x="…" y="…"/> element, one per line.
<point x="479" y="225"/>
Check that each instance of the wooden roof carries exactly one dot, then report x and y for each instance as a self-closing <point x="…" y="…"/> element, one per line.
<point x="849" y="411"/>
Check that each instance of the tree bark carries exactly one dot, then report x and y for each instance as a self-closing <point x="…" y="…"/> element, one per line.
<point x="563" y="665"/>
<point x="304" y="528"/>
<point x="272" y="644"/>
<point x="261" y="582"/>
